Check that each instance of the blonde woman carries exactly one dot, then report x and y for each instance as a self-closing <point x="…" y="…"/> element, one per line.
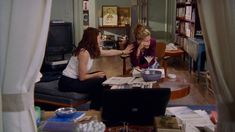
<point x="144" y="46"/>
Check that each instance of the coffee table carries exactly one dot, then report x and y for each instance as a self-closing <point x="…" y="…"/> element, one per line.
<point x="179" y="86"/>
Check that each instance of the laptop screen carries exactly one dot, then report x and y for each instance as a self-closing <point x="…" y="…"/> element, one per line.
<point x="134" y="106"/>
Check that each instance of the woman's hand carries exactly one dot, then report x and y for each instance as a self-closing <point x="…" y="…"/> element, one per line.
<point x="100" y="74"/>
<point x="141" y="46"/>
<point x="128" y="49"/>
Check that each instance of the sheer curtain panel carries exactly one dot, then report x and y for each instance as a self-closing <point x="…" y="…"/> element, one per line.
<point x="218" y="26"/>
<point x="24" y="26"/>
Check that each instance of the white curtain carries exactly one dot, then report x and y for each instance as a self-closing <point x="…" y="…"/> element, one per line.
<point x="23" y="33"/>
<point x="218" y="26"/>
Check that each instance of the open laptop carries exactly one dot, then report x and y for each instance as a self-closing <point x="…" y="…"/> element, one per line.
<point x="134" y="106"/>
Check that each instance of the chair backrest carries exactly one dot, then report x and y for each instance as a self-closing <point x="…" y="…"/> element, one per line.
<point x="160" y="53"/>
<point x="160" y="50"/>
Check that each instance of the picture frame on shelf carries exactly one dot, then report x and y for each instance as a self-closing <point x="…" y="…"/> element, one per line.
<point x="124" y="16"/>
<point x="86" y="18"/>
<point x="110" y="15"/>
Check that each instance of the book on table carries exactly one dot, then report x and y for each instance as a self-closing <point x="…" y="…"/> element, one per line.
<point x="62" y="124"/>
<point x="77" y="116"/>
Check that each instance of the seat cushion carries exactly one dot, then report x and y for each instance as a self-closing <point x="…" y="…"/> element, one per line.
<point x="51" y="89"/>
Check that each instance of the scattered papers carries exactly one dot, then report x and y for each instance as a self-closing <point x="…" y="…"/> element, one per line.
<point x="191" y="120"/>
<point x="127" y="82"/>
<point x="171" y="46"/>
<point x="118" y="80"/>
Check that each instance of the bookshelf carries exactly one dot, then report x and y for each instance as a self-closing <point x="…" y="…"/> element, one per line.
<point x="187" y="21"/>
<point x="188" y="35"/>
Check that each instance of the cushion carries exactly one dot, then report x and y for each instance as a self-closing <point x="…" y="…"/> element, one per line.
<point x="50" y="89"/>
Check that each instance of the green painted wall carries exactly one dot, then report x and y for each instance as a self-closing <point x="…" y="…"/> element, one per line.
<point x="161" y="15"/>
<point x="62" y="10"/>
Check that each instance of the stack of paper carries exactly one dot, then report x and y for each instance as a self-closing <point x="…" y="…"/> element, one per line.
<point x="190" y="119"/>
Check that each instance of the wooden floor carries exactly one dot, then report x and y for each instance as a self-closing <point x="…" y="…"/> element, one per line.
<point x="199" y="94"/>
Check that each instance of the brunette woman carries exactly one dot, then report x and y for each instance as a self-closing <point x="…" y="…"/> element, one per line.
<point x="77" y="77"/>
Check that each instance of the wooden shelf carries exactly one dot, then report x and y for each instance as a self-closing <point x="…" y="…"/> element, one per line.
<point x="118" y="26"/>
<point x="182" y="4"/>
<point x="185" y="20"/>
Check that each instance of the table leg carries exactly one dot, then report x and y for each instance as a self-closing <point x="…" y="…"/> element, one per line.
<point x="124" y="66"/>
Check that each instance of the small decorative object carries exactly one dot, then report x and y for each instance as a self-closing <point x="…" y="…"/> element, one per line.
<point x="167" y="124"/>
<point x="85" y="18"/>
<point x="124" y="16"/>
<point x="65" y="112"/>
<point x="151" y="75"/>
<point x="85" y="5"/>
<point x="110" y="16"/>
<point x="92" y="126"/>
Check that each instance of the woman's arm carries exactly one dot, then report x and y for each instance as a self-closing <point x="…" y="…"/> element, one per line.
<point x="83" y="59"/>
<point x="114" y="52"/>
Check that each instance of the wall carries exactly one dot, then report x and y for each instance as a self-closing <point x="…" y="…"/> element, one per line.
<point x="161" y="15"/>
<point x="161" y="19"/>
<point x="69" y="11"/>
<point x="62" y="10"/>
<point x="100" y="3"/>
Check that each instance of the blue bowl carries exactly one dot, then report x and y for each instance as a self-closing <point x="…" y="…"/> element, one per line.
<point x="65" y="112"/>
<point x="151" y="75"/>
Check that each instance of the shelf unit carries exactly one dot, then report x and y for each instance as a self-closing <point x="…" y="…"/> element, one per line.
<point x="187" y="21"/>
<point x="118" y="30"/>
<point x="188" y="34"/>
<point x="127" y="28"/>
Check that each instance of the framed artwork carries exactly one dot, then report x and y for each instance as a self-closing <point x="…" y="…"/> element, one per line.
<point x="110" y="16"/>
<point x="124" y="16"/>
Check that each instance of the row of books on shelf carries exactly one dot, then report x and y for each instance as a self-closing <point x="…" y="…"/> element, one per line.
<point x="187" y="13"/>
<point x="183" y="1"/>
<point x="180" y="40"/>
<point x="185" y="29"/>
<point x="183" y="42"/>
<point x="189" y="45"/>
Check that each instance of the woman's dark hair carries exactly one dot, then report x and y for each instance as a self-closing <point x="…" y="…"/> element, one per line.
<point x="89" y="42"/>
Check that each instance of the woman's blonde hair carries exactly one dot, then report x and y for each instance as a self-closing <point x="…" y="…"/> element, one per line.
<point x="141" y="32"/>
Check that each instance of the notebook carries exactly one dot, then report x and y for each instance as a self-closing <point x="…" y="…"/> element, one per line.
<point x="134" y="106"/>
<point x="62" y="124"/>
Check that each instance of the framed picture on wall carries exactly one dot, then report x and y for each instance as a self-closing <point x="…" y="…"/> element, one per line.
<point x="110" y="16"/>
<point x="124" y="16"/>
